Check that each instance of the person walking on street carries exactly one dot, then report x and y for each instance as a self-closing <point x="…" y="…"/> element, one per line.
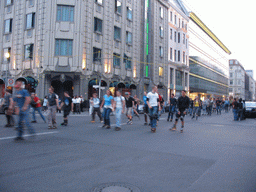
<point x="119" y="106"/>
<point x="45" y="103"/>
<point x="240" y="109"/>
<point x="107" y="102"/>
<point x="8" y="103"/>
<point x="82" y="104"/>
<point x="191" y="105"/>
<point x="22" y="100"/>
<point x="226" y="105"/>
<point x="67" y="107"/>
<point x="182" y="104"/>
<point x="129" y="101"/>
<point x="96" y="107"/>
<point x="136" y="106"/>
<point x="235" y="109"/>
<point x="53" y="104"/>
<point x="90" y="105"/>
<point x="218" y="106"/>
<point x="197" y="105"/>
<point x="78" y="103"/>
<point x="145" y="108"/>
<point x="154" y="106"/>
<point x="172" y="107"/>
<point x="36" y="107"/>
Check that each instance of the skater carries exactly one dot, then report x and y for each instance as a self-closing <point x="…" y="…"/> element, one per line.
<point x="145" y="108"/>
<point x="172" y="107"/>
<point x="96" y="107"/>
<point x="183" y="104"/>
<point x="36" y="107"/>
<point x="129" y="101"/>
<point x="154" y="106"/>
<point x="22" y="100"/>
<point x="119" y="106"/>
<point x="8" y="102"/>
<point x="67" y="107"/>
<point x="197" y="105"/>
<point x="53" y="104"/>
<point x="107" y="102"/>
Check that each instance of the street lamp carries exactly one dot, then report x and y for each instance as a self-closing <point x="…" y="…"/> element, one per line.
<point x="7" y="56"/>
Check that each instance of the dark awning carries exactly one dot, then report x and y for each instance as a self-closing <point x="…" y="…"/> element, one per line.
<point x="2" y="81"/>
<point x="113" y="84"/>
<point x="132" y="86"/>
<point x="121" y="85"/>
<point x="22" y="79"/>
<point x="103" y="83"/>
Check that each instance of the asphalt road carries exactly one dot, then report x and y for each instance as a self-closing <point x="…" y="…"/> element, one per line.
<point x="213" y="154"/>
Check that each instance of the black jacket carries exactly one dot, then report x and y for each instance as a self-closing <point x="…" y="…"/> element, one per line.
<point x="183" y="103"/>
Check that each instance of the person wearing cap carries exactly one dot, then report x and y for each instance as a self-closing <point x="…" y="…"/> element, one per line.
<point x="35" y="104"/>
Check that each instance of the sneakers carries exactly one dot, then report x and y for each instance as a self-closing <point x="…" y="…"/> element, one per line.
<point x="108" y="127"/>
<point x="173" y="128"/>
<point x="103" y="126"/>
<point x="49" y="127"/>
<point x="145" y="123"/>
<point x="102" y="121"/>
<point x="181" y="130"/>
<point x="129" y="122"/>
<point x="153" y="130"/>
<point x="63" y="124"/>
<point x="19" y="139"/>
<point x="33" y="122"/>
<point x="117" y="129"/>
<point x="168" y="119"/>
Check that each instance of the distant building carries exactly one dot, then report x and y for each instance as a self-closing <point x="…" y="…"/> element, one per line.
<point x="238" y="80"/>
<point x="249" y="72"/>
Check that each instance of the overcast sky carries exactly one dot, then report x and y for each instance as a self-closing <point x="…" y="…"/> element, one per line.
<point x="233" y="22"/>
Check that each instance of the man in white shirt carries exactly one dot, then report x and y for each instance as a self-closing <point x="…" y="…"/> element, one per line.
<point x="153" y="105"/>
<point x="96" y="107"/>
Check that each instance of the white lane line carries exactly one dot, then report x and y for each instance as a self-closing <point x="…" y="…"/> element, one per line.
<point x="45" y="133"/>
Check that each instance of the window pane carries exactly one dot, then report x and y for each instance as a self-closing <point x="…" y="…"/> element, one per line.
<point x="72" y="14"/>
<point x="8" y="2"/>
<point x="7" y="26"/>
<point x="97" y="25"/>
<point x="57" y="47"/>
<point x="129" y="13"/>
<point x="70" y="48"/>
<point x="118" y="7"/>
<point x="65" y="13"/>
<point x="59" y="13"/>
<point x="117" y="33"/>
<point x="116" y="59"/>
<point x="29" y="21"/>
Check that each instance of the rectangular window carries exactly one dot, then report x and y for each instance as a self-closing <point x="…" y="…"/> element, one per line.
<point x="186" y="79"/>
<point x="186" y="43"/>
<point x="99" y="1"/>
<point x="179" y="56"/>
<point x="171" y="75"/>
<point x="178" y="37"/>
<point x="65" y="13"/>
<point x="230" y="90"/>
<point x="161" y="51"/>
<point x="171" y="15"/>
<point x="161" y="12"/>
<point x="161" y="30"/>
<point x="28" y="51"/>
<point x="118" y="7"/>
<point x="184" y="38"/>
<point x="97" y="25"/>
<point x="175" y="55"/>
<point x="117" y="33"/>
<point x="170" y="33"/>
<point x="182" y="24"/>
<point x="116" y="59"/>
<point x="175" y="19"/>
<point x="239" y="82"/>
<point x="7" y="55"/>
<point x="128" y="37"/>
<point x="171" y="53"/>
<point x="231" y="62"/>
<point x="63" y="47"/>
<point x="175" y="36"/>
<point x="8" y="2"/>
<point x="161" y="71"/>
<point x="183" y="56"/>
<point x="127" y="62"/>
<point x="129" y="13"/>
<point x="178" y="78"/>
<point x="179" y="23"/>
<point x="231" y="82"/>
<point x="230" y="75"/>
<point x="8" y="26"/>
<point x="30" y="21"/>
<point x="96" y="54"/>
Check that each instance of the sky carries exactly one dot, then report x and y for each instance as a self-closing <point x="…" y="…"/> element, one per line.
<point x="233" y="22"/>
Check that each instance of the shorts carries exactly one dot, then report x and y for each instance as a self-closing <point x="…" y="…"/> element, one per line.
<point x="145" y="108"/>
<point x="66" y="113"/>
<point x="181" y="113"/>
<point x="129" y="111"/>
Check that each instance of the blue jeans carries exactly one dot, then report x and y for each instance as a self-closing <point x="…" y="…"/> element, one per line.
<point x="153" y="116"/>
<point x="196" y="111"/>
<point x="106" y="115"/>
<point x="118" y="116"/>
<point x="218" y="109"/>
<point x="38" y="109"/>
<point x="172" y="110"/>
<point x="24" y="116"/>
<point x="235" y="114"/>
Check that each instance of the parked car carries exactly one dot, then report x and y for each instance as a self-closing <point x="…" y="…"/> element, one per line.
<point x="250" y="109"/>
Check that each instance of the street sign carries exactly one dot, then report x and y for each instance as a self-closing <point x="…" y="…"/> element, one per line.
<point x="10" y="82"/>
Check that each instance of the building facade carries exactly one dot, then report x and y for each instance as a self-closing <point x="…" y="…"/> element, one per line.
<point x="208" y="59"/>
<point x="238" y="80"/>
<point x="76" y="46"/>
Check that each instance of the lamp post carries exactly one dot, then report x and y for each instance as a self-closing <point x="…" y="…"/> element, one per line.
<point x="7" y="56"/>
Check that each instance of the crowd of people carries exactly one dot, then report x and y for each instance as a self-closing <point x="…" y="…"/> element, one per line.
<point x="21" y="101"/>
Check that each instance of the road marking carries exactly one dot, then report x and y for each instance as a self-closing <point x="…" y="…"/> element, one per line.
<point x="45" y="133"/>
<point x="217" y="125"/>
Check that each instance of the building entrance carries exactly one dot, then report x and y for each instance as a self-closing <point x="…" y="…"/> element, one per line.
<point x="60" y="87"/>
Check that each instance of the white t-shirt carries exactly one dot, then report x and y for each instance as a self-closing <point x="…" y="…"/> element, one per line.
<point x="45" y="102"/>
<point x="153" y="97"/>
<point x="74" y="100"/>
<point x="78" y="100"/>
<point x="119" y="101"/>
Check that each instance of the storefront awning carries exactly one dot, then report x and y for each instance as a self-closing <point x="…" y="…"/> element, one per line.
<point x="132" y="86"/>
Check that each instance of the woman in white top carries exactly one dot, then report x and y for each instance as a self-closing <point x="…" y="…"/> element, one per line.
<point x="119" y="106"/>
<point x="45" y="103"/>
